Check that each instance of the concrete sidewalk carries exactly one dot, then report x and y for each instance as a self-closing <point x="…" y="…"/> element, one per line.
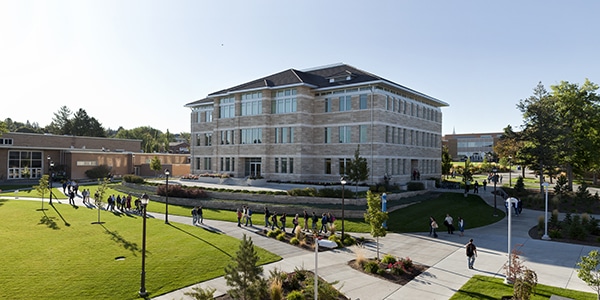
<point x="554" y="262"/>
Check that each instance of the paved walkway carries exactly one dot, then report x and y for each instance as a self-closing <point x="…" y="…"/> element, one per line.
<point x="554" y="263"/>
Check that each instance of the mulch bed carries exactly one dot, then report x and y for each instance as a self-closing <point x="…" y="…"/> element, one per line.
<point x="401" y="279"/>
<point x="590" y="240"/>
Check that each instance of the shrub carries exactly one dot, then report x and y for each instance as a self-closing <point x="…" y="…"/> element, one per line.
<point x="181" y="192"/>
<point x="101" y="171"/>
<point x="202" y="294"/>
<point x="415" y="186"/>
<point x="388" y="259"/>
<point x="133" y="179"/>
<point x="307" y="192"/>
<point x="348" y="240"/>
<point x="294" y="241"/>
<point x="397" y="268"/>
<point x="295" y="295"/>
<point x="371" y="267"/>
<point x="281" y="236"/>
<point x="541" y="222"/>
<point x="336" y="239"/>
<point x="407" y="263"/>
<point x="276" y="289"/>
<point x="274" y="233"/>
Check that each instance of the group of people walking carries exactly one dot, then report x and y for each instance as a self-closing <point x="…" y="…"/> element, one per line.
<point x="449" y="223"/>
<point x="305" y="221"/>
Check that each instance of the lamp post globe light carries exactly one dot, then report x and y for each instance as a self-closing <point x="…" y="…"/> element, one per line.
<point x="495" y="178"/>
<point x="144" y="200"/>
<point x="167" y="173"/>
<point x="343" y="182"/>
<point x="545" y="236"/>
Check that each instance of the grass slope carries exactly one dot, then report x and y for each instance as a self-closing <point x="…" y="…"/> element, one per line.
<point x="485" y="287"/>
<point x="58" y="254"/>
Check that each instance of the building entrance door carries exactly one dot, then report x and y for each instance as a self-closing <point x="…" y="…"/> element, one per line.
<point x="253" y="167"/>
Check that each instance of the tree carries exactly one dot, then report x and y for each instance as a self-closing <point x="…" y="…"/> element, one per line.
<point x="43" y="187"/>
<point x="101" y="192"/>
<point x="588" y="270"/>
<point x="150" y="137"/>
<point x="467" y="173"/>
<point x="446" y="161"/>
<point x="243" y="273"/>
<point x="540" y="130"/>
<point x="358" y="169"/>
<point x="375" y="217"/>
<point x="84" y="125"/>
<point x="61" y="122"/>
<point x="3" y="128"/>
<point x="155" y="164"/>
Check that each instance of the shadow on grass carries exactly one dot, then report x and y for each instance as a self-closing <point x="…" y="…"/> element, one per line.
<point x="127" y="245"/>
<point x="48" y="221"/>
<point x="60" y="215"/>
<point x="199" y="238"/>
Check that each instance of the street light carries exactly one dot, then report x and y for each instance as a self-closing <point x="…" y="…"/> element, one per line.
<point x="510" y="171"/>
<point x="50" y="168"/>
<point x="495" y="171"/>
<point x="509" y="203"/>
<point x="343" y="182"/>
<point x="143" y="293"/>
<point x="545" y="236"/>
<point x="167" y="197"/>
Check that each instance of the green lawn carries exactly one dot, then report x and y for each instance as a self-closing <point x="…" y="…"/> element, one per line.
<point x="484" y="287"/>
<point x="58" y="254"/>
<point x="414" y="218"/>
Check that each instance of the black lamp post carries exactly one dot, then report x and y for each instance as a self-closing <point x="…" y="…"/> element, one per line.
<point x="343" y="182"/>
<point x="50" y="169"/>
<point x="495" y="170"/>
<point x="143" y="293"/>
<point x="167" y="173"/>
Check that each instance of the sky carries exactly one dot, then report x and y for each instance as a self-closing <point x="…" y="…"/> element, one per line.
<point x="137" y="63"/>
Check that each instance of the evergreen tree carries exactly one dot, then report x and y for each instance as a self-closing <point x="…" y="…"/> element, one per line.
<point x="358" y="169"/>
<point x="243" y="273"/>
<point x="446" y="161"/>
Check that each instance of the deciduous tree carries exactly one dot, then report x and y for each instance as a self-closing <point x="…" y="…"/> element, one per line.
<point x="375" y="217"/>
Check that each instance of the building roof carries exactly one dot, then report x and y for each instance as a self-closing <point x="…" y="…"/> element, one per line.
<point x="326" y="77"/>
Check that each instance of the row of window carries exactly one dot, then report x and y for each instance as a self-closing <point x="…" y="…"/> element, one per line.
<point x="396" y="135"/>
<point x="412" y="109"/>
<point x="402" y="166"/>
<point x="25" y="164"/>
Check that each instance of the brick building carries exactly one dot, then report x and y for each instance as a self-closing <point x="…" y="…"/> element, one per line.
<point x="306" y="125"/>
<point x="26" y="156"/>
<point x="474" y="146"/>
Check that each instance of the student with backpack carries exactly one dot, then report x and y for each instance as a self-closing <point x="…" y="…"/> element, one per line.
<point x="471" y="253"/>
<point x="195" y="215"/>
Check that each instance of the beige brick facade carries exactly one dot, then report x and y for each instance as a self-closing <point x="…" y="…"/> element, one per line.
<point x="398" y="131"/>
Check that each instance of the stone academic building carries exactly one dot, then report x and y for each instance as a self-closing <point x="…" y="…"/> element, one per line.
<point x="305" y="126"/>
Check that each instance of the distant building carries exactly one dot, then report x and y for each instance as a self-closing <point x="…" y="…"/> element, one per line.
<point x="28" y="156"/>
<point x="306" y="125"/>
<point x="474" y="146"/>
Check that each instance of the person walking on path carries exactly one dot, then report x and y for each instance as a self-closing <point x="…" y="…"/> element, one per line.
<point x="315" y="220"/>
<point x="461" y="226"/>
<point x="484" y="184"/>
<point x="476" y="187"/>
<point x="323" y="223"/>
<point x="433" y="227"/>
<point x="295" y="222"/>
<point x="200" y="217"/>
<point x="449" y="222"/>
<point x="267" y="216"/>
<point x="239" y="217"/>
<point x="305" y="221"/>
<point x="282" y="220"/>
<point x="248" y="216"/>
<point x="274" y="220"/>
<point x="195" y="215"/>
<point x="471" y="253"/>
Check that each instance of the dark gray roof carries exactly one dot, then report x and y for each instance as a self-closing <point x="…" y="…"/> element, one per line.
<point x="316" y="78"/>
